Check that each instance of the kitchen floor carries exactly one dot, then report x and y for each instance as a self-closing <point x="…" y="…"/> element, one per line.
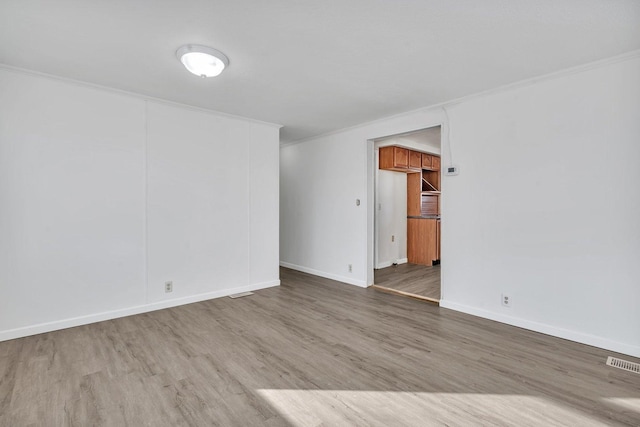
<point x="414" y="280"/>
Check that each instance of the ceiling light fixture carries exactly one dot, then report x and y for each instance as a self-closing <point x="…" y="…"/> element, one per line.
<point x="202" y="61"/>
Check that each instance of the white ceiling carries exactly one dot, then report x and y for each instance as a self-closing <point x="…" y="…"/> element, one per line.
<point x="314" y="66"/>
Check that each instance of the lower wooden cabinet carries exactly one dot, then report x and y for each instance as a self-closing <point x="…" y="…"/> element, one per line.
<point x="423" y="240"/>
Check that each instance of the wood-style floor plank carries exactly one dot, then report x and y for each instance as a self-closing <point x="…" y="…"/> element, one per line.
<point x="311" y="352"/>
<point x="420" y="281"/>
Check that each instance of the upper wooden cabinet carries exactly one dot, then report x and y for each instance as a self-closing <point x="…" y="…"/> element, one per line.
<point x="430" y="162"/>
<point x="435" y="163"/>
<point x="415" y="160"/>
<point x="401" y="159"/>
<point x="426" y="161"/>
<point x="394" y="158"/>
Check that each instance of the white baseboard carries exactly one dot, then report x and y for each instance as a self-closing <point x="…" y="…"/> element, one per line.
<point x="580" y="337"/>
<point x="385" y="264"/>
<point x="343" y="279"/>
<point x="129" y="311"/>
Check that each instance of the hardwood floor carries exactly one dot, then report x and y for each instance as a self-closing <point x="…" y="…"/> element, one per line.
<point x="311" y="352"/>
<point x="410" y="279"/>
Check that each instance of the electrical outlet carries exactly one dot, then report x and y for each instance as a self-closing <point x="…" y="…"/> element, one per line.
<point x="350" y="268"/>
<point x="506" y="300"/>
<point x="393" y="238"/>
<point x="168" y="286"/>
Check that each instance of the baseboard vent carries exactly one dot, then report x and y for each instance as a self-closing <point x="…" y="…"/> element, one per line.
<point x="241" y="294"/>
<point x="623" y="364"/>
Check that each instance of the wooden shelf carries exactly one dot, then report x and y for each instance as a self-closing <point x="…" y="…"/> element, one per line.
<point x="430" y="187"/>
<point x="430" y="180"/>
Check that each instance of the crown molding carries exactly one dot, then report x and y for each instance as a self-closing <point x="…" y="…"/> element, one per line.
<point x="81" y="83"/>
<point x="510" y="86"/>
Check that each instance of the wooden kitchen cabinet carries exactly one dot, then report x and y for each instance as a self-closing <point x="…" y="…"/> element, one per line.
<point x="394" y="158"/>
<point x="430" y="162"/>
<point x="415" y="160"/>
<point x="423" y="200"/>
<point x="413" y="194"/>
<point x="422" y="241"/>
<point x="400" y="159"/>
<point x="429" y="204"/>
<point x="435" y="163"/>
<point x="427" y="159"/>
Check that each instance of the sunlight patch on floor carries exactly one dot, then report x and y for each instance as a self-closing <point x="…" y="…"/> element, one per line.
<point x="625" y="403"/>
<point x="385" y="408"/>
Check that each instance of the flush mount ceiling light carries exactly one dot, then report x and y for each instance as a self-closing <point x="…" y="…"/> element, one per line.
<point x="202" y="61"/>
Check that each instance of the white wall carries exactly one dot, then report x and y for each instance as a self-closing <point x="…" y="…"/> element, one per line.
<point x="213" y="202"/>
<point x="104" y="196"/>
<point x="321" y="226"/>
<point x="322" y="230"/>
<point x="71" y="201"/>
<point x="545" y="208"/>
<point x="390" y="217"/>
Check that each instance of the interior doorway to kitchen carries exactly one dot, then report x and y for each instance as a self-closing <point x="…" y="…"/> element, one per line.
<point x="407" y="218"/>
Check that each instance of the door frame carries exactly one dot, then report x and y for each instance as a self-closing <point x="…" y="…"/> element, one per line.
<point x="372" y="201"/>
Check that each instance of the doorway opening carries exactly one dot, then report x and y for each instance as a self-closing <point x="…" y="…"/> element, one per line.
<point x="407" y="194"/>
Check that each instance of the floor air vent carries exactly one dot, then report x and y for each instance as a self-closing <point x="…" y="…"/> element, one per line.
<point x="623" y="364"/>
